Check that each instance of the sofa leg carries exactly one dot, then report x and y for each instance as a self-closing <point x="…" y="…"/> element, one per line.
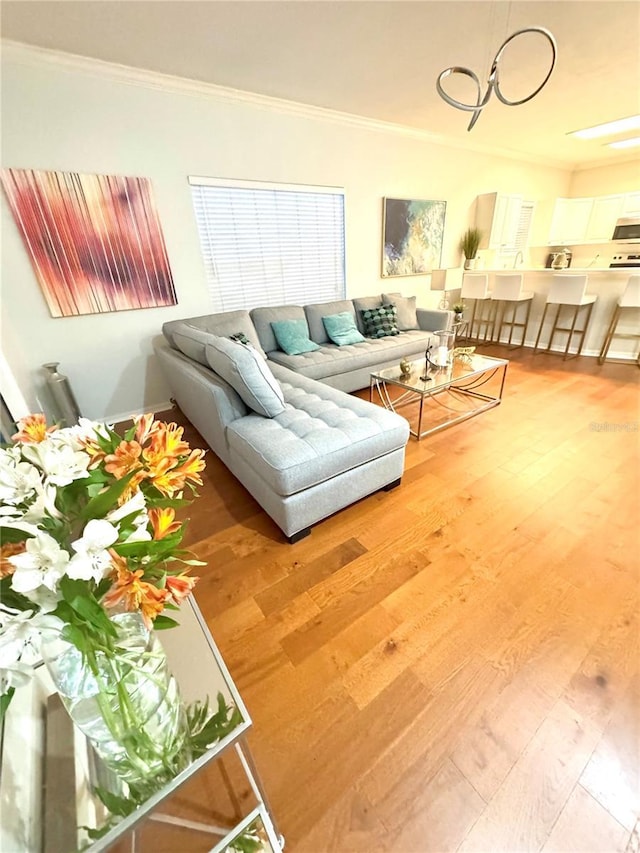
<point x="392" y="485"/>
<point x="298" y="536"/>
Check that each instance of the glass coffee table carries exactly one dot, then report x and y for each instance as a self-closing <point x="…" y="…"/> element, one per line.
<point x="472" y="384"/>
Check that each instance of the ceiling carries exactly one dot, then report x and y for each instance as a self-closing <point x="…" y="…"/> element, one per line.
<point x="376" y="59"/>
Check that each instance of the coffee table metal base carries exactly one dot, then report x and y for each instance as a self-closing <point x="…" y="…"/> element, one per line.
<point x="453" y="397"/>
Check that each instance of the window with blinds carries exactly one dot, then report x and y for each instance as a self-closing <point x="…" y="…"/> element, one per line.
<point x="524" y="225"/>
<point x="270" y="244"/>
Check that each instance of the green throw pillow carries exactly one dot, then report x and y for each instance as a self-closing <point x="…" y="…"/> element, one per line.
<point x="341" y="329"/>
<point x="293" y="336"/>
<point x="240" y="338"/>
<point x="380" y="322"/>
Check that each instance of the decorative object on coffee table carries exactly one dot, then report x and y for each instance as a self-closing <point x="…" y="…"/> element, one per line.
<point x="458" y="312"/>
<point x="405" y="367"/>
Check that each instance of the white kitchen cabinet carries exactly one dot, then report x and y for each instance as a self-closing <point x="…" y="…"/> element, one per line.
<point x="498" y="216"/>
<point x="630" y="204"/>
<point x="605" y="210"/>
<point x="570" y="220"/>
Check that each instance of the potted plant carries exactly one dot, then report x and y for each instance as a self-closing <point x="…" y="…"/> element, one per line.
<point x="458" y="312"/>
<point x="469" y="244"/>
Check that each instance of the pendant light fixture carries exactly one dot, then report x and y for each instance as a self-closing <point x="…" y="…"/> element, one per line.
<point x="493" y="84"/>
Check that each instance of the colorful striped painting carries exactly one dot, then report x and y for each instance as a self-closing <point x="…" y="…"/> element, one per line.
<point x="95" y="241"/>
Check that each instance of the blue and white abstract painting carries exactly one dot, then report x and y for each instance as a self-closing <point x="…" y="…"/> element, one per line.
<point x="412" y="236"/>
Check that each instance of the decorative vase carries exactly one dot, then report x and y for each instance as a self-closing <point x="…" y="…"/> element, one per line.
<point x="62" y="394"/>
<point x="458" y="317"/>
<point x="470" y="263"/>
<point x="126" y="703"/>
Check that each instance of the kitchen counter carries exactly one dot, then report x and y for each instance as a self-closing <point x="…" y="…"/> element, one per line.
<point x="607" y="284"/>
<point x="626" y="271"/>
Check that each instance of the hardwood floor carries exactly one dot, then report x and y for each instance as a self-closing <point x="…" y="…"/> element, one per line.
<point x="453" y="665"/>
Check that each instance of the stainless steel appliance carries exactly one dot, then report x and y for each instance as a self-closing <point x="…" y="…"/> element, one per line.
<point x="625" y="260"/>
<point x="627" y="230"/>
<point x="556" y="250"/>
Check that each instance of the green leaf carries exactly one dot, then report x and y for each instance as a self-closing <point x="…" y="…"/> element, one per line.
<point x="11" y="598"/>
<point x="100" y="505"/>
<point x="81" y="600"/>
<point x="11" y="534"/>
<point x="163" y="503"/>
<point x="5" y="701"/>
<point x="74" y="635"/>
<point x="120" y="806"/>
<point x="130" y="433"/>
<point x="161" y="623"/>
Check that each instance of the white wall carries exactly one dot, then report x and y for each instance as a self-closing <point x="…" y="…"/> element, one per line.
<point x="606" y="180"/>
<point x="82" y="120"/>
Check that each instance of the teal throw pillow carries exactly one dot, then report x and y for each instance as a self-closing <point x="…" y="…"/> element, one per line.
<point x="341" y="329"/>
<point x="380" y="322"/>
<point x="293" y="336"/>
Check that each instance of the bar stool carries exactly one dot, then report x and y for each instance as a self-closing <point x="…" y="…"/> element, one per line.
<point x="475" y="286"/>
<point x="567" y="290"/>
<point x="507" y="291"/>
<point x="629" y="299"/>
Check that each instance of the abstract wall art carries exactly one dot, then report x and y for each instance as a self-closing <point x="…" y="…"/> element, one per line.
<point x="95" y="241"/>
<point x="411" y="236"/>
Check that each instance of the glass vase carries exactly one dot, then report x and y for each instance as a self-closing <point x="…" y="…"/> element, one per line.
<point x="126" y="703"/>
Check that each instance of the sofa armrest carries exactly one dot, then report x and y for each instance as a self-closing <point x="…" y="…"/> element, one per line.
<point x="433" y="319"/>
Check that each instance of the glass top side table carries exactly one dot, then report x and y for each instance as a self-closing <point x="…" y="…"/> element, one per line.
<point x="48" y="772"/>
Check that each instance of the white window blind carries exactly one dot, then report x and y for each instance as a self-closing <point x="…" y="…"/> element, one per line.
<point x="270" y="244"/>
<point x="524" y="225"/>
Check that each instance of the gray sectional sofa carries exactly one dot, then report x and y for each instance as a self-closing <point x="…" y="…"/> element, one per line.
<point x="304" y="449"/>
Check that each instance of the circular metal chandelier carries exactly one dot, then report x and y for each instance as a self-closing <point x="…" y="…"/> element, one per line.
<point x="493" y="84"/>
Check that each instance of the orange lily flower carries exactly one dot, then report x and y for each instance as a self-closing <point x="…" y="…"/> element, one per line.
<point x="162" y="522"/>
<point x="180" y="586"/>
<point x="125" y="459"/>
<point x="132" y="487"/>
<point x="33" y="429"/>
<point x="9" y="549"/>
<point x="134" y="593"/>
<point x="94" y="451"/>
<point x="145" y="427"/>
<point x="166" y="442"/>
<point x="170" y="481"/>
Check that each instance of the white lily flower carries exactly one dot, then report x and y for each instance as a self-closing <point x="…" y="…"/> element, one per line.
<point x="21" y="636"/>
<point x="134" y="504"/>
<point x="19" y="481"/>
<point x="140" y="522"/>
<point x="92" y="558"/>
<point x="45" y="599"/>
<point x="17" y="523"/>
<point x="44" y="505"/>
<point x="42" y="564"/>
<point x="75" y="436"/>
<point x="59" y="462"/>
<point x="16" y="675"/>
<point x="21" y="632"/>
<point x="140" y="533"/>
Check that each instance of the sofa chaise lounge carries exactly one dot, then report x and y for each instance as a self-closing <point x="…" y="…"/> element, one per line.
<point x="304" y="449"/>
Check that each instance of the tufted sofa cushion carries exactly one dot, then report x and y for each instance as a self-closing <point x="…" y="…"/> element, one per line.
<point x="331" y="360"/>
<point x="321" y="433"/>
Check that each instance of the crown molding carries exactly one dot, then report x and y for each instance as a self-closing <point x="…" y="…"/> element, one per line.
<point x="614" y="160"/>
<point x="30" y="55"/>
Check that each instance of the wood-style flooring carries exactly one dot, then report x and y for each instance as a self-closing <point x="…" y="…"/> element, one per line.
<point x="453" y="665"/>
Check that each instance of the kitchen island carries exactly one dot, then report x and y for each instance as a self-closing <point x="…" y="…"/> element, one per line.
<point x="605" y="283"/>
